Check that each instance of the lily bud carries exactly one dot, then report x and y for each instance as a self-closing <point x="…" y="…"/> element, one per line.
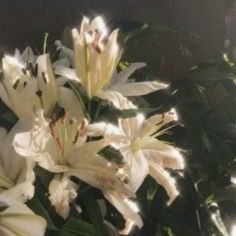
<point x="95" y="54"/>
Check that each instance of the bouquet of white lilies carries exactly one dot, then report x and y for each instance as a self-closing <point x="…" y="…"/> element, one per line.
<point x="72" y="125"/>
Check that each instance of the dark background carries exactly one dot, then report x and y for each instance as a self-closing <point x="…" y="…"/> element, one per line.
<point x="168" y="54"/>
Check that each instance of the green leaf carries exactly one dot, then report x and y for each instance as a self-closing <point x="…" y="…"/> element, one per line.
<point x="77" y="227"/>
<point x="9" y="116"/>
<point x="123" y="65"/>
<point x="206" y="141"/>
<point x="210" y="199"/>
<point x="110" y="113"/>
<point x="91" y="208"/>
<point x="203" y="66"/>
<point x="168" y="231"/>
<point x="44" y="175"/>
<point x="225" y="129"/>
<point x="226" y="194"/>
<point x="223" y="154"/>
<point x="111" y="154"/>
<point x="151" y="193"/>
<point x="132" y="30"/>
<point x="39" y="209"/>
<point x="82" y="97"/>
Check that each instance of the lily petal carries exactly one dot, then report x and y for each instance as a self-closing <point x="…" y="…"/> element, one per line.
<point x="70" y="102"/>
<point x="96" y="171"/>
<point x="17" y="171"/>
<point x="62" y="192"/>
<point x="97" y="24"/>
<point x="3" y="134"/>
<point x="19" y="220"/>
<point x="17" y="194"/>
<point x="139" y="88"/>
<point x="86" y="156"/>
<point x="123" y="76"/>
<point x="64" y="62"/>
<point x="66" y="72"/>
<point x="163" y="178"/>
<point x="163" y="154"/>
<point x="28" y="55"/>
<point x="68" y="53"/>
<point x="48" y="84"/>
<point x="84" y="27"/>
<point x="127" y="210"/>
<point x="155" y="122"/>
<point x="36" y="142"/>
<point x="117" y="99"/>
<point x="131" y="126"/>
<point x="138" y="170"/>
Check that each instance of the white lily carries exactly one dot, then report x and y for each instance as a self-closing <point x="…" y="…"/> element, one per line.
<point x="16" y="174"/>
<point x="95" y="54"/>
<point x="60" y="146"/>
<point x="95" y="57"/>
<point x="19" y="220"/>
<point x="27" y="87"/>
<point x="51" y="143"/>
<point x="136" y="138"/>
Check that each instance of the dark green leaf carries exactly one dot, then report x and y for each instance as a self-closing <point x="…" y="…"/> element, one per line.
<point x="77" y="227"/>
<point x="226" y="194"/>
<point x="91" y="208"/>
<point x="82" y="97"/>
<point x="44" y="175"/>
<point x="39" y="209"/>
<point x="111" y="154"/>
<point x="206" y="141"/>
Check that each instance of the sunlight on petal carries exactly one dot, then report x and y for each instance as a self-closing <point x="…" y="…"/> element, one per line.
<point x="12" y="61"/>
<point x="129" y="227"/>
<point x="132" y="205"/>
<point x="174" y="113"/>
<point x="233" y="231"/>
<point x="233" y="180"/>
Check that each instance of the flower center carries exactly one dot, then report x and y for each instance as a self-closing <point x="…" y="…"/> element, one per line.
<point x="65" y="131"/>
